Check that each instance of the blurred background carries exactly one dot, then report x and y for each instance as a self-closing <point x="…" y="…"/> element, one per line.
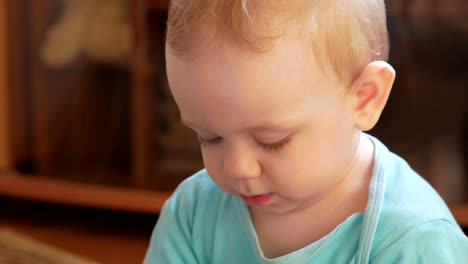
<point x="90" y="139"/>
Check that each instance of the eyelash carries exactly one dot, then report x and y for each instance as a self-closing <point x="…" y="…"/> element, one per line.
<point x="267" y="147"/>
<point x="276" y="146"/>
<point x="203" y="141"/>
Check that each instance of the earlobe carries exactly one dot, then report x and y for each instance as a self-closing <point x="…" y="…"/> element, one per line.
<point x="371" y="90"/>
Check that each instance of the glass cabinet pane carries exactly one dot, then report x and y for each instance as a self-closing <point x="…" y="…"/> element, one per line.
<point x="90" y="104"/>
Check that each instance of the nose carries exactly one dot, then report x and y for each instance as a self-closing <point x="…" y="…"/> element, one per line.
<point x="240" y="163"/>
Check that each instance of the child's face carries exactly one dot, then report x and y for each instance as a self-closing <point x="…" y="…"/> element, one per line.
<point x="270" y="124"/>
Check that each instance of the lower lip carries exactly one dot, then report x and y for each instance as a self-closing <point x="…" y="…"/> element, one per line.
<point x="257" y="199"/>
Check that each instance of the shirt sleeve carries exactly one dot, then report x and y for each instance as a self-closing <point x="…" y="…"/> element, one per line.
<point x="436" y="242"/>
<point x="171" y="239"/>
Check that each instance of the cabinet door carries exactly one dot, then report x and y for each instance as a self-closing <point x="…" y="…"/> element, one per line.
<point x="89" y="96"/>
<point x="4" y="133"/>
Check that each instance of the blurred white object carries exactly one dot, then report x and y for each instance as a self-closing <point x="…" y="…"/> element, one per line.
<point x="108" y="35"/>
<point x="63" y="40"/>
<point x="99" y="30"/>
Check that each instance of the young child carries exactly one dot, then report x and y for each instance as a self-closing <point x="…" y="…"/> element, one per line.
<point x="279" y="94"/>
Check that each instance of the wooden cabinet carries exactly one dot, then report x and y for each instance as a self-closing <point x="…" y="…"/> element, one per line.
<point x="85" y="120"/>
<point x="4" y="148"/>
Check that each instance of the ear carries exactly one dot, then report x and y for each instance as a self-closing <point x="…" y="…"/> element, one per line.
<point x="370" y="91"/>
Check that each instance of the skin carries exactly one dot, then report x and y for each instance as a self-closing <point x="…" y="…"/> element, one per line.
<point x="273" y="123"/>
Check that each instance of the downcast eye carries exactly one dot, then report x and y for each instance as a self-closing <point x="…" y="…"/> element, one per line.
<point x="276" y="146"/>
<point x="208" y="141"/>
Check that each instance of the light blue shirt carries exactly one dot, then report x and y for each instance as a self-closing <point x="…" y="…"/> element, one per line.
<point x="405" y="221"/>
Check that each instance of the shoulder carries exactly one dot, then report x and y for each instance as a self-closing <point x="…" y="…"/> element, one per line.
<point x="199" y="205"/>
<point x="410" y="198"/>
<point x="406" y="195"/>
<point x="438" y="241"/>
<point x="195" y="186"/>
<point x="411" y="211"/>
<point x="409" y="194"/>
<point x="185" y="223"/>
<point x="195" y="192"/>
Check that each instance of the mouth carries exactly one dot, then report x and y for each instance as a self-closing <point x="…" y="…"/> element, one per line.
<point x="257" y="199"/>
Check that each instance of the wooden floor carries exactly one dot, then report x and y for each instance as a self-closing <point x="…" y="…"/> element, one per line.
<point x="101" y="235"/>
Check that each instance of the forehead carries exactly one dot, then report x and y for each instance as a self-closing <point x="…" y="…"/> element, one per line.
<point x="232" y="81"/>
<point x="291" y="59"/>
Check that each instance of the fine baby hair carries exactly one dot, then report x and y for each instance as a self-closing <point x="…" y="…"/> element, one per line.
<point x="344" y="35"/>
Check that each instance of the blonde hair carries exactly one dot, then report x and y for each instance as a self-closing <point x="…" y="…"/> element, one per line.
<point x="346" y="34"/>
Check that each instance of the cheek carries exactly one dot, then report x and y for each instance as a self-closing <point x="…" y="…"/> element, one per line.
<point x="332" y="151"/>
<point x="310" y="160"/>
<point x="213" y="164"/>
<point x="209" y="160"/>
<point x="294" y="177"/>
<point x="295" y="166"/>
